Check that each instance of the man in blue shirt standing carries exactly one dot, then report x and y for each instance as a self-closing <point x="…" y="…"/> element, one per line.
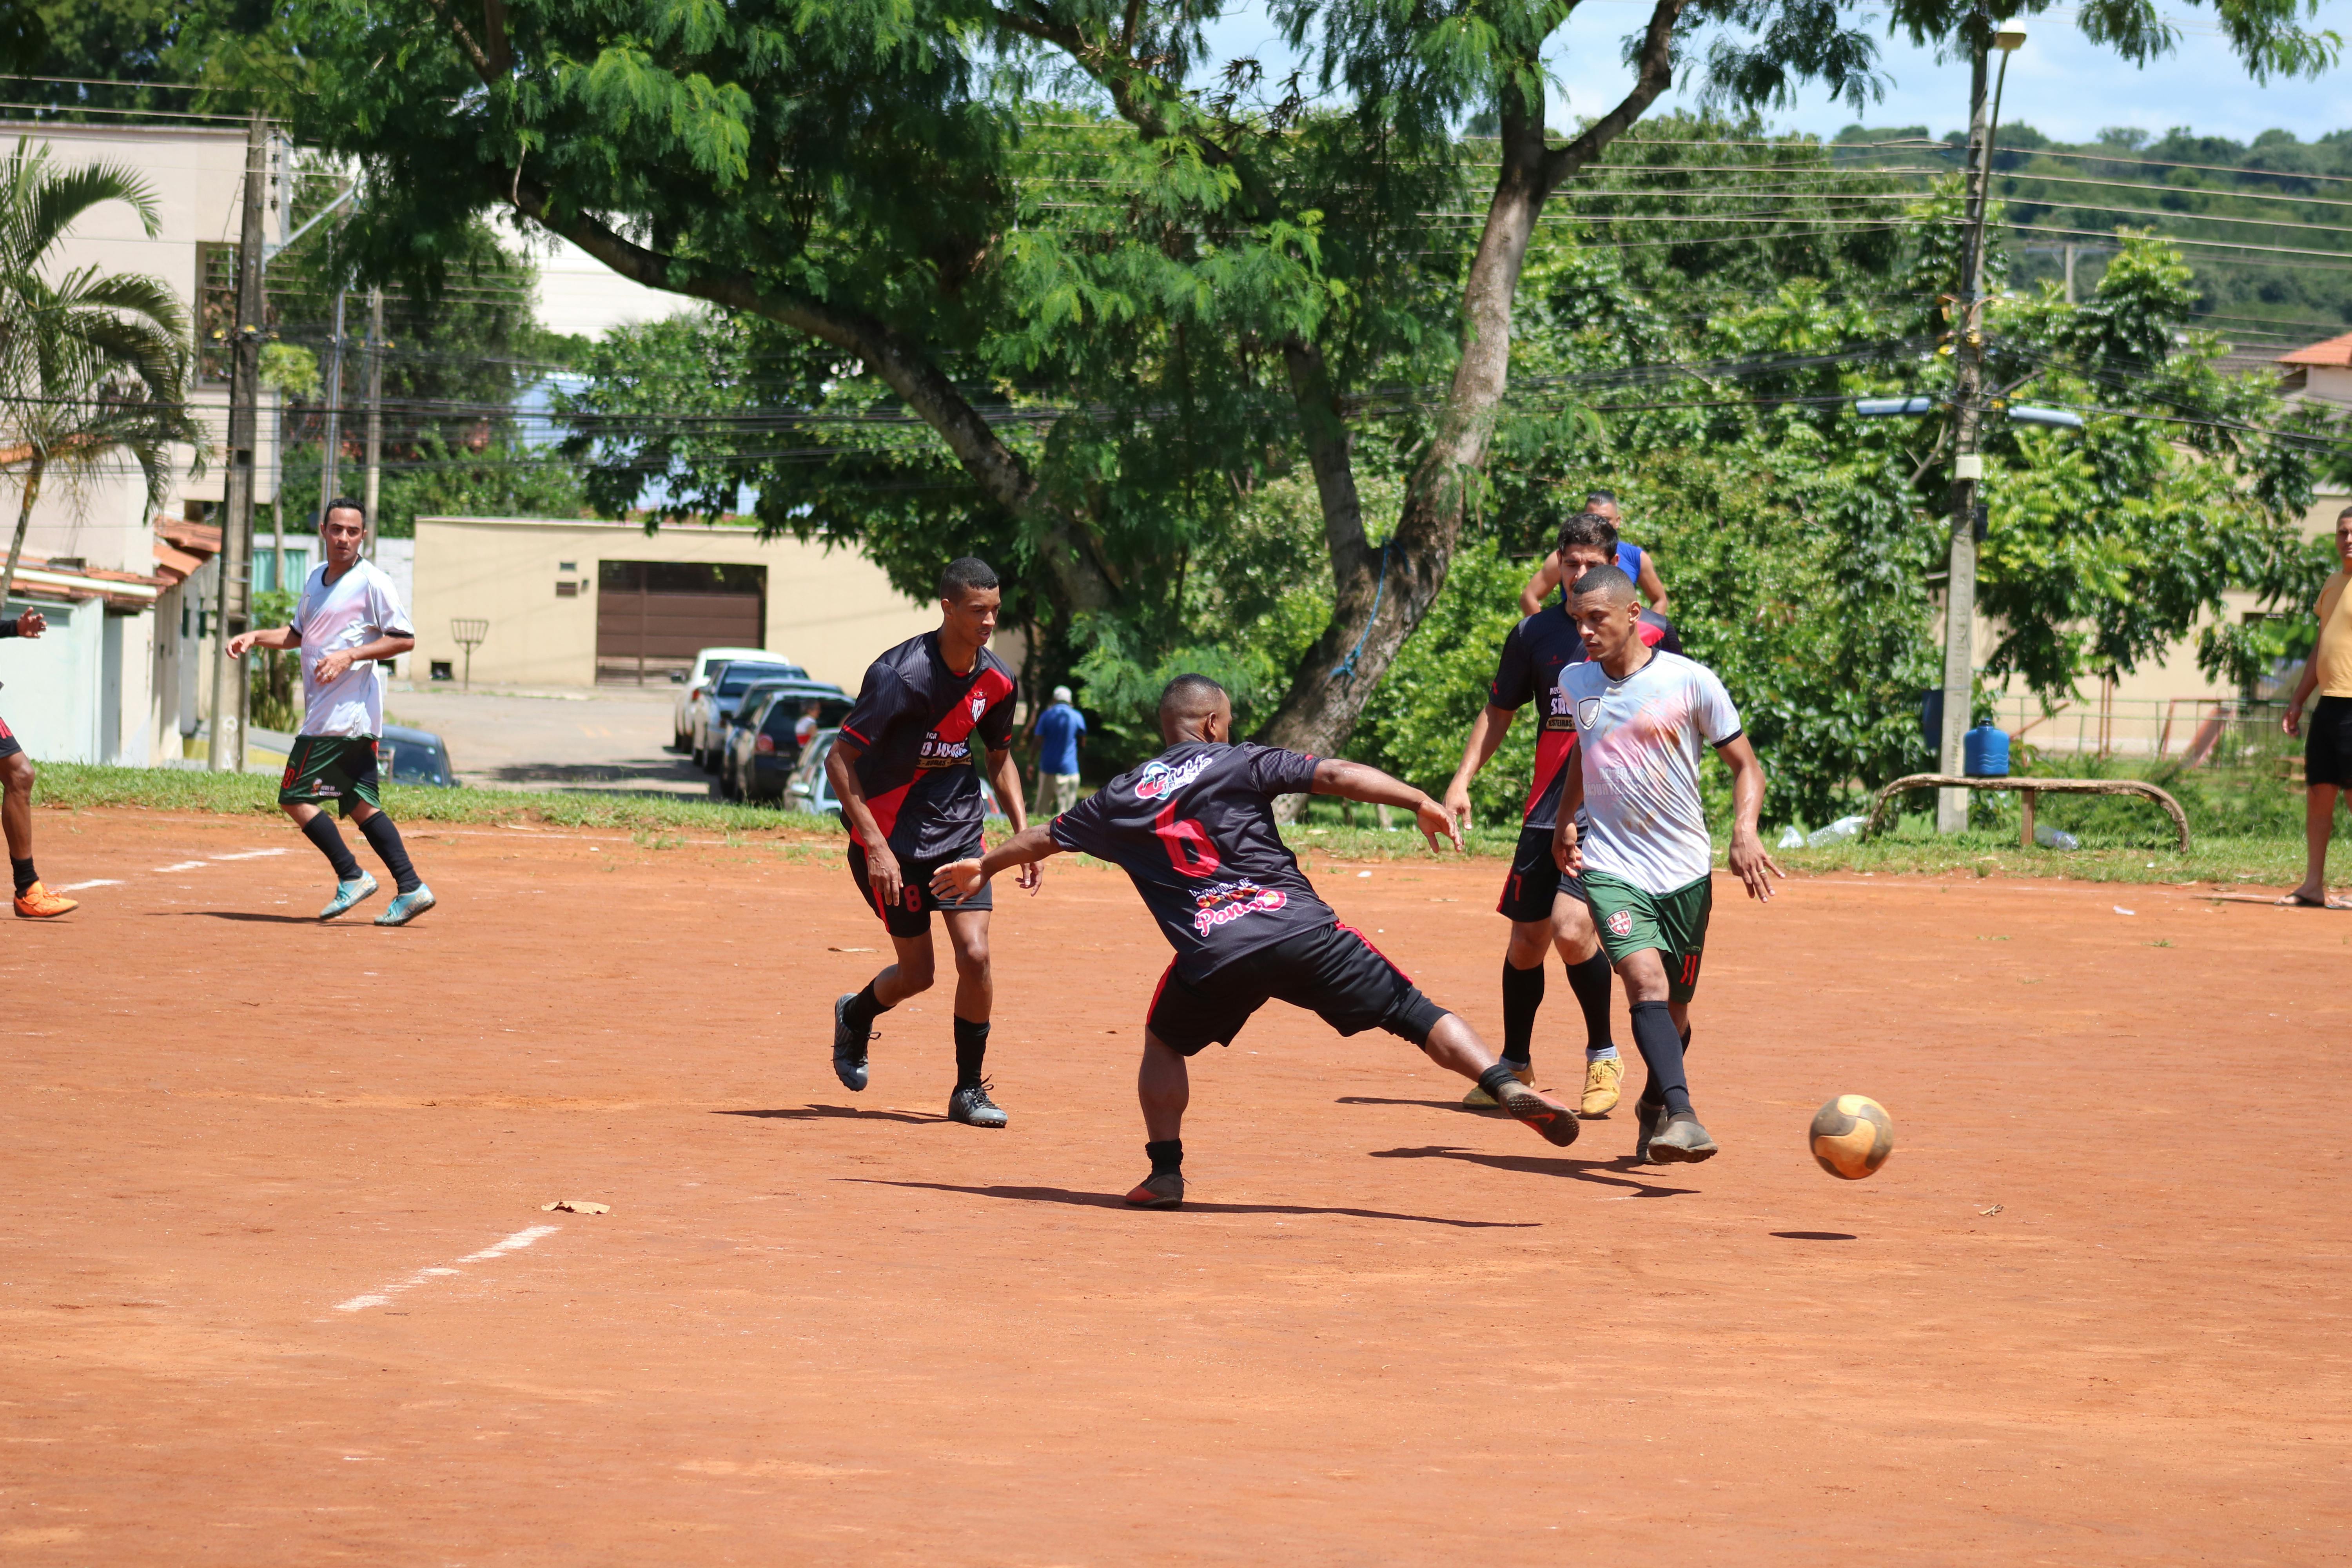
<point x="1057" y="730"/>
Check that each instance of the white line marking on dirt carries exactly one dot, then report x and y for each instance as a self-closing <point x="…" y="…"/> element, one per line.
<point x="79" y="886"/>
<point x="514" y="1243"/>
<point x="183" y="866"/>
<point x="245" y="855"/>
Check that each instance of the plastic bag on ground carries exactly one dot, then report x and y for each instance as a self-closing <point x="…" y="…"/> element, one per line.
<point x="1791" y="838"/>
<point x="2050" y="837"/>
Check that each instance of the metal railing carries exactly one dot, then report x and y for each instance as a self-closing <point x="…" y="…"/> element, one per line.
<point x="2200" y="731"/>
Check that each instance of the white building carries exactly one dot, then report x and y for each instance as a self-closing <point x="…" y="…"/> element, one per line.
<point x="123" y="674"/>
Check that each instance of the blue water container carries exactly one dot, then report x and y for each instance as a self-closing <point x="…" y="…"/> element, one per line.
<point x="1984" y="753"/>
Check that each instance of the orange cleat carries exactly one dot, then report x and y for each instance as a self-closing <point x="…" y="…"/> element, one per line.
<point x="38" y="903"/>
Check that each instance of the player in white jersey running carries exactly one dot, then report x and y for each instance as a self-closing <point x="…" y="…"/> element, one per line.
<point x="348" y="617"/>
<point x="1642" y="716"/>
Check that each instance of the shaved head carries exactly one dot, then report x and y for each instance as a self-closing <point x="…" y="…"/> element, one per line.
<point x="1608" y="583"/>
<point x="1186" y="701"/>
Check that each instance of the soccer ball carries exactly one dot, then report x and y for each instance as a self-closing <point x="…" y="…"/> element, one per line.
<point x="1851" y="1136"/>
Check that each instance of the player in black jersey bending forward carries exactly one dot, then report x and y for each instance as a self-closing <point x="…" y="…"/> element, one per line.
<point x="1194" y="829"/>
<point x="903" y="769"/>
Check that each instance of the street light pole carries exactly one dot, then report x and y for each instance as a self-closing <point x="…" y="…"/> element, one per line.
<point x="1967" y="462"/>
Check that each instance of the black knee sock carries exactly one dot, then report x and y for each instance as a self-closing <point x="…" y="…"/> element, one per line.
<point x="1493" y="1080"/>
<point x="320" y="831"/>
<point x="1166" y="1155"/>
<point x="1662" y="1051"/>
<point x="1589" y="980"/>
<point x="25" y="875"/>
<point x="1523" y="993"/>
<point x="972" y="1050"/>
<point x="863" y="1009"/>
<point x="384" y="838"/>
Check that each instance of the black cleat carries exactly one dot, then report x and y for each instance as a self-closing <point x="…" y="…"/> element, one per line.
<point x="970" y="1104"/>
<point x="1159" y="1190"/>
<point x="1681" y="1141"/>
<point x="848" y="1053"/>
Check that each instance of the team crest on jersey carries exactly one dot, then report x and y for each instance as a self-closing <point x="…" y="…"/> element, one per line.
<point x="1159" y="779"/>
<point x="1588" y="711"/>
<point x="978" y="705"/>
<point x="1223" y="902"/>
<point x="1622" y="923"/>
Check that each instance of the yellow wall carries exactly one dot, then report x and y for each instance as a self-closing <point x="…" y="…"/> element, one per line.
<point x="830" y="612"/>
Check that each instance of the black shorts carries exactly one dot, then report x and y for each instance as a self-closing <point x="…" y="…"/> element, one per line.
<point x="1534" y="879"/>
<point x="9" y="745"/>
<point x="1333" y="972"/>
<point x="916" y="899"/>
<point x="2327" y="744"/>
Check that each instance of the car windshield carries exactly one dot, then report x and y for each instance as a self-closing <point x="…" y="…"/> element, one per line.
<point x="413" y="762"/>
<point x="739" y="676"/>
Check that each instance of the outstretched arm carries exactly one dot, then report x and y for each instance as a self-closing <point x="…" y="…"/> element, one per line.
<point x="1487" y="732"/>
<point x="1748" y="861"/>
<point x="1546" y="579"/>
<point x="1005" y="774"/>
<point x="285" y="639"/>
<point x="1354" y="780"/>
<point x="961" y="879"/>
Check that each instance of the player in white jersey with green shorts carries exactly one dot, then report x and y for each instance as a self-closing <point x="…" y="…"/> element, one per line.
<point x="1642" y="716"/>
<point x="348" y="618"/>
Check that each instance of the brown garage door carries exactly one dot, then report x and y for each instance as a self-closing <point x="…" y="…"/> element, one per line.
<point x="652" y="617"/>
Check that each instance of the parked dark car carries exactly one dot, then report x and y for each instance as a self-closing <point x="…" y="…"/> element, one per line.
<point x="406" y="756"/>
<point x="811" y="791"/>
<point x="722" y="691"/>
<point x="762" y="747"/>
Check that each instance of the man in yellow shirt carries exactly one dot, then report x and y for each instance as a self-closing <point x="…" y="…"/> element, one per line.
<point x="2328" y="748"/>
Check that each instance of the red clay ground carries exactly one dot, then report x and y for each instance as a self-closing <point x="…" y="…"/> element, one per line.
<point x="819" y="1327"/>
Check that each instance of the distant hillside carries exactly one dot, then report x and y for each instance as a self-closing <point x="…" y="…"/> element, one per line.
<point x="2267" y="226"/>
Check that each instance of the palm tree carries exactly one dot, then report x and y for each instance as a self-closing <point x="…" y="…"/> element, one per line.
<point x="92" y="365"/>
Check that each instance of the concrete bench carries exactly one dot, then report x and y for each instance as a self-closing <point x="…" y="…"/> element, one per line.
<point x="2029" y="788"/>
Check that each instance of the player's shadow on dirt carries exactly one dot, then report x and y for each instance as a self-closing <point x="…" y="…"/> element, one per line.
<point x="1595" y="1171"/>
<point x="1113" y="1201"/>
<point x="249" y="917"/>
<point x="834" y="1113"/>
<point x="1423" y="1104"/>
<point x="1814" y="1236"/>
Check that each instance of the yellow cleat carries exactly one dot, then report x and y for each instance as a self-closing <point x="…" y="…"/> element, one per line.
<point x="1602" y="1079"/>
<point x="1479" y="1099"/>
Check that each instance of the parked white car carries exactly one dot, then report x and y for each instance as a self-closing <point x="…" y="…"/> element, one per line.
<point x="681" y="714"/>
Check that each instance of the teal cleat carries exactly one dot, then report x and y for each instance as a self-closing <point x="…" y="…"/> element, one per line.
<point x="347" y="894"/>
<point x="407" y="907"/>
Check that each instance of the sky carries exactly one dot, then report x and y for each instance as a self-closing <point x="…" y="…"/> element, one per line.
<point x="2058" y="83"/>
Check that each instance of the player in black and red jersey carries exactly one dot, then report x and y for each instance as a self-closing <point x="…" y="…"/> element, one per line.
<point x="1194" y="829"/>
<point x="1547" y="910"/>
<point x="903" y="771"/>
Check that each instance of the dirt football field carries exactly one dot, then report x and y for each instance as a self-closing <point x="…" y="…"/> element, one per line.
<point x="279" y="1286"/>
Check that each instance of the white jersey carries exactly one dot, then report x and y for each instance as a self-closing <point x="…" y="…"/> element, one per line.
<point x="1639" y="743"/>
<point x="357" y="608"/>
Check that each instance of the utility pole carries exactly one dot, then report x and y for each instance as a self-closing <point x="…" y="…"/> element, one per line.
<point x="331" y="455"/>
<point x="1967" y="461"/>
<point x="225" y="743"/>
<point x="374" y="413"/>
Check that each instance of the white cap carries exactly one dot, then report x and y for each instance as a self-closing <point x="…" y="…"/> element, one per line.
<point x="1061" y="694"/>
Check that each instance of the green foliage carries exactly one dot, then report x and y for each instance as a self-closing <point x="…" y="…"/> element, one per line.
<point x="276" y="683"/>
<point x="1415" y="723"/>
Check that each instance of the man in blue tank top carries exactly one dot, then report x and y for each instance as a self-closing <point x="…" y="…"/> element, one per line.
<point x="1632" y="559"/>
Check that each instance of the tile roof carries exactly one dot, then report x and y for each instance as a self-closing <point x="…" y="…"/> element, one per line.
<point x="2333" y="351"/>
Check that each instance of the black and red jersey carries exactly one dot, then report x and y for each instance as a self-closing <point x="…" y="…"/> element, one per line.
<point x="1194" y="829"/>
<point x="1534" y="654"/>
<point x="916" y="718"/>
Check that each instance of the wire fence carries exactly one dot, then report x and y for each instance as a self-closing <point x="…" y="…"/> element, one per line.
<point x="2203" y="731"/>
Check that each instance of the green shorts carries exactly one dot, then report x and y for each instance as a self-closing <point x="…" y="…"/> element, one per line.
<point x="324" y="769"/>
<point x="1630" y="920"/>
